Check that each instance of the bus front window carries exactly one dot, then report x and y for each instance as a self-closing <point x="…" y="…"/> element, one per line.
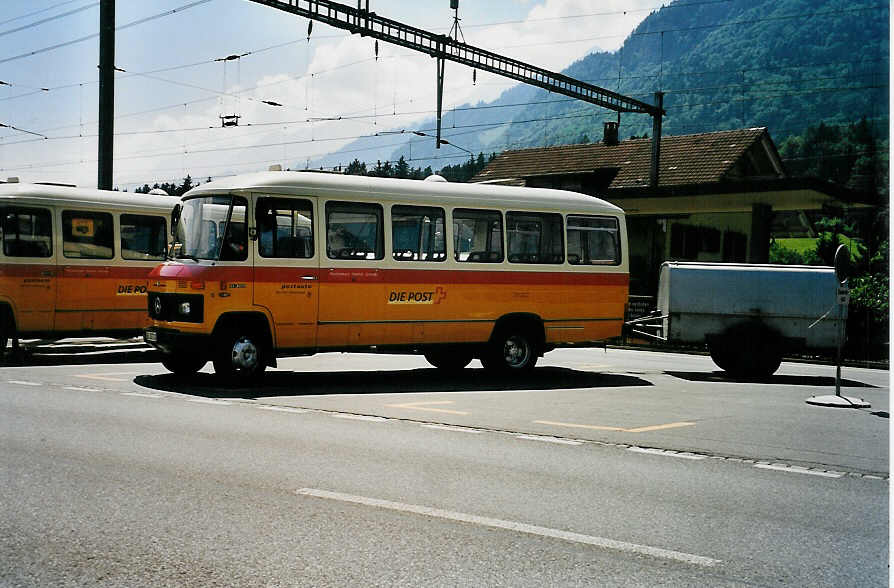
<point x="213" y="228"/>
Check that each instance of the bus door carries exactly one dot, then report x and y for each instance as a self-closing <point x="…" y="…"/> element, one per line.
<point x="86" y="290"/>
<point x="28" y="269"/>
<point x="286" y="269"/>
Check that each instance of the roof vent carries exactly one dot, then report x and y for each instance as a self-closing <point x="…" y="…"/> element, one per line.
<point x="435" y="178"/>
<point x="610" y="133"/>
<point x="12" y="180"/>
<point x="275" y="167"/>
<point x="158" y="192"/>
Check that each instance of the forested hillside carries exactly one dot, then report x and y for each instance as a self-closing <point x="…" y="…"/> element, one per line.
<point x="788" y="65"/>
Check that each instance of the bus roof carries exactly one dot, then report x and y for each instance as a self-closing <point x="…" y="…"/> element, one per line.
<point x="372" y="188"/>
<point x="49" y="194"/>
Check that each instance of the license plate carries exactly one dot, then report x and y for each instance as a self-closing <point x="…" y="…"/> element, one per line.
<point x="151" y="336"/>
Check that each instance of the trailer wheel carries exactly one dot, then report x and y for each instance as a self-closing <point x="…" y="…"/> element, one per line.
<point x="748" y="352"/>
<point x="183" y="365"/>
<point x="448" y="361"/>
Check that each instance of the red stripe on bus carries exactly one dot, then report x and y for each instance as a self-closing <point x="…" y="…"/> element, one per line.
<point x="375" y="275"/>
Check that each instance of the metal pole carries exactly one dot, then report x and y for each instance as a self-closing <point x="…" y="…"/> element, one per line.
<point x="838" y="352"/>
<point x="656" y="139"/>
<point x="106" y="93"/>
<point x="440" y="62"/>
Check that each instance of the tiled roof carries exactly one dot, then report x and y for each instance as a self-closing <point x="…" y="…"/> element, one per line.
<point x="685" y="159"/>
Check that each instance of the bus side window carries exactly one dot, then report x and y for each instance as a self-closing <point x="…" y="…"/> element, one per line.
<point x="26" y="232"/>
<point x="354" y="231"/>
<point x="417" y="233"/>
<point x="87" y="235"/>
<point x="593" y="240"/>
<point x="143" y="237"/>
<point x="285" y="228"/>
<point x="534" y="237"/>
<point x="477" y="235"/>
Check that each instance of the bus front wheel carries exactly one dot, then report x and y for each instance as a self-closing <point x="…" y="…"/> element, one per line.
<point x="240" y="356"/>
<point x="183" y="365"/>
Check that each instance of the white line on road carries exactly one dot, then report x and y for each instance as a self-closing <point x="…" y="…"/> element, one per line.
<point x="665" y="452"/>
<point x="797" y="470"/>
<point x="549" y="439"/>
<point x="209" y="401"/>
<point x="452" y="428"/>
<point x="360" y="417"/>
<point x="291" y="409"/>
<point x="141" y="394"/>
<point x="82" y="389"/>
<point x="514" y="526"/>
<point x="24" y="383"/>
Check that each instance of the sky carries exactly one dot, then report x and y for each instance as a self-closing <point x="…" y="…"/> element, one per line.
<point x="174" y="87"/>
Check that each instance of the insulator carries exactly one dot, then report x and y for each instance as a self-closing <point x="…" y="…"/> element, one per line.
<point x="377" y="50"/>
<point x="474" y="76"/>
<point x="310" y="28"/>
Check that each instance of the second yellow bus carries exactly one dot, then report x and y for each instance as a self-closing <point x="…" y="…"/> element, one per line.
<point x="292" y="263"/>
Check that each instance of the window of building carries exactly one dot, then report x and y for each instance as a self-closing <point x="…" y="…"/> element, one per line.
<point x="534" y="237"/>
<point x="477" y="235"/>
<point x="26" y="232"/>
<point x="354" y="231"/>
<point x="143" y="237"/>
<point x="594" y="240"/>
<point x="285" y="228"/>
<point x="417" y="233"/>
<point x="87" y="235"/>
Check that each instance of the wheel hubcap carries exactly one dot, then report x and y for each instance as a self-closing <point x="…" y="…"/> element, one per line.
<point x="515" y="352"/>
<point x="245" y="354"/>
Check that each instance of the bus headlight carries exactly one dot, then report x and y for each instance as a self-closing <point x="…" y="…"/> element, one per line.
<point x="184" y="308"/>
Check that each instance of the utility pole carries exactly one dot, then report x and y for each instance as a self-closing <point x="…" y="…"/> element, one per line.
<point x="106" y="93"/>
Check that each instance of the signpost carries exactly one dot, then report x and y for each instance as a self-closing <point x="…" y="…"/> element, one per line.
<point x="843" y="296"/>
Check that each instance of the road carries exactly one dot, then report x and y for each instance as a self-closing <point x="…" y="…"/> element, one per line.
<point x="612" y="468"/>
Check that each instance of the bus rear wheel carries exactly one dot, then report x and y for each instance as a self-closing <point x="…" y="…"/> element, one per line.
<point x="511" y="351"/>
<point x="240" y="357"/>
<point x="183" y="365"/>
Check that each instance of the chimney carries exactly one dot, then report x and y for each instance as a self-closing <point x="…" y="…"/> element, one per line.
<point x="610" y="133"/>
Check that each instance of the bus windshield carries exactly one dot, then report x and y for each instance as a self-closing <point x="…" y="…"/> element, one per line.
<point x="213" y="228"/>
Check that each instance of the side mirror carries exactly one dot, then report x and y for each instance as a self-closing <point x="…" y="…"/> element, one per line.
<point x="175" y="218"/>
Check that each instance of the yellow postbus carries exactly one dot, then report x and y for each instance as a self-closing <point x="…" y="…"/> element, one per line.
<point x="280" y="264"/>
<point x="75" y="261"/>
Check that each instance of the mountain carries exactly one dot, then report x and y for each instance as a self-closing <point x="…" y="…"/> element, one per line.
<point x="723" y="64"/>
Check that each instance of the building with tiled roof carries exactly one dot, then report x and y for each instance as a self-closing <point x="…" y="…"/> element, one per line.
<point x="719" y="196"/>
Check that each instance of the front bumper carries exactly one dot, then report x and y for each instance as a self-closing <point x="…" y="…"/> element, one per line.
<point x="173" y="341"/>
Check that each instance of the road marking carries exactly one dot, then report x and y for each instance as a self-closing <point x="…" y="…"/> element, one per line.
<point x="665" y="452"/>
<point x="24" y="383"/>
<point x="141" y="394"/>
<point x="423" y="406"/>
<point x="451" y="428"/>
<point x="209" y="401"/>
<point x="360" y="417"/>
<point x="285" y="409"/>
<point x="82" y="389"/>
<point x="107" y="376"/>
<point x="797" y="470"/>
<point x="549" y="439"/>
<point x="618" y="429"/>
<point x="514" y="526"/>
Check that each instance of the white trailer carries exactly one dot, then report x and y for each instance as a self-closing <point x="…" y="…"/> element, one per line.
<point x="748" y="315"/>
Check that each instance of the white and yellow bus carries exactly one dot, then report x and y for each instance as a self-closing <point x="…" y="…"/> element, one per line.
<point x="75" y="262"/>
<point x="292" y="263"/>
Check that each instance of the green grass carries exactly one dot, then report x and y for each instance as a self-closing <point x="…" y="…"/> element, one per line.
<point x="799" y="244"/>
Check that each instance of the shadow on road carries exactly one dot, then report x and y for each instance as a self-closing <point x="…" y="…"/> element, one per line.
<point x="719" y="376"/>
<point x="386" y="381"/>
